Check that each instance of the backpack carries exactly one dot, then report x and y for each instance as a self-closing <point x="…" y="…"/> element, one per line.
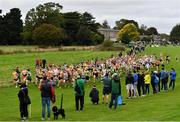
<point x="77" y="88"/>
<point x="156" y="80"/>
<point x="26" y="99"/>
<point x="119" y="100"/>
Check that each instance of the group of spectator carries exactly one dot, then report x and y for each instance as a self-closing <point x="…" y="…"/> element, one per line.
<point x="138" y="83"/>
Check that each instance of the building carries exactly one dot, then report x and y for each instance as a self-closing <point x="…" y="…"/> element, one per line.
<point x="109" y="34"/>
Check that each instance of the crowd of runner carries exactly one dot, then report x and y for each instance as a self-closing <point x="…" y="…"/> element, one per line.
<point x="95" y="69"/>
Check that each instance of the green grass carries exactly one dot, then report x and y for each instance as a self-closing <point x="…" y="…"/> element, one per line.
<point x="162" y="106"/>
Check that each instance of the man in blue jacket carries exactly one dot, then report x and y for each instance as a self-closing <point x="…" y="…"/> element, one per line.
<point x="173" y="78"/>
<point x="162" y="78"/>
<point x="135" y="82"/>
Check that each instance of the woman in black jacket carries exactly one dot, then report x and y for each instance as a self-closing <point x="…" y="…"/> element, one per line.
<point x="24" y="101"/>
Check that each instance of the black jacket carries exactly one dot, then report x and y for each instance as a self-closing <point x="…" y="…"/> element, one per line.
<point x="22" y="94"/>
<point x="45" y="89"/>
<point x="129" y="79"/>
<point x="94" y="94"/>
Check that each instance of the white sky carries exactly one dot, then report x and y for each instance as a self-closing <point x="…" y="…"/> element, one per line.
<point x="162" y="14"/>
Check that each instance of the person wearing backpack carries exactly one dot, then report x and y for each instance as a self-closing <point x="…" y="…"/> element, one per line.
<point x="155" y="81"/>
<point x="46" y="94"/>
<point x="24" y="101"/>
<point x="115" y="90"/>
<point x="79" y="93"/>
<point x="158" y="74"/>
<point x="94" y="95"/>
<point x="172" y="78"/>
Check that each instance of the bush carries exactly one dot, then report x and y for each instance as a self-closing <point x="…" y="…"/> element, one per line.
<point x="175" y="33"/>
<point x="108" y="46"/>
<point x="146" y="39"/>
<point x="97" y="38"/>
<point x="107" y="43"/>
<point x="48" y="34"/>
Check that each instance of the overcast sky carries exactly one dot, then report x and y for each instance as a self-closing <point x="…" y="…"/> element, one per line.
<point x="162" y="14"/>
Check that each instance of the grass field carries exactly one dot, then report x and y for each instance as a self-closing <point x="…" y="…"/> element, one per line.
<point x="162" y="106"/>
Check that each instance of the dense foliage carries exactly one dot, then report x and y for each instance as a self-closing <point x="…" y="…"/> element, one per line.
<point x="128" y="33"/>
<point x="74" y="28"/>
<point x="11" y="26"/>
<point x="175" y="34"/>
<point x="47" y="34"/>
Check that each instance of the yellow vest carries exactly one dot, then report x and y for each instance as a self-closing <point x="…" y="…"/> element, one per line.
<point x="147" y="79"/>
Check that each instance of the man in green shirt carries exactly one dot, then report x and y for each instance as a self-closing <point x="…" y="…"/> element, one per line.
<point x="79" y="93"/>
<point x="115" y="90"/>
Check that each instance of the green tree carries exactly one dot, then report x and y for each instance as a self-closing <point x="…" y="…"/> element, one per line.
<point x="83" y="36"/>
<point x="121" y="23"/>
<point x="152" y="31"/>
<point x="71" y="26"/>
<point x="89" y="21"/>
<point x="175" y="33"/>
<point x="48" y="34"/>
<point x="49" y="13"/>
<point x="128" y="33"/>
<point x="1" y="29"/>
<point x="96" y="38"/>
<point x="79" y="28"/>
<point x="11" y="27"/>
<point x="125" y="38"/>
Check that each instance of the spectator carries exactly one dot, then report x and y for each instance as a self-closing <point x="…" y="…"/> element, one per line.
<point x="106" y="88"/>
<point x="147" y="80"/>
<point x="135" y="82"/>
<point x="162" y="78"/>
<point x="159" y="76"/>
<point x="24" y="101"/>
<point x="115" y="90"/>
<point x="46" y="94"/>
<point x="129" y="85"/>
<point x="79" y="93"/>
<point x="166" y="80"/>
<point x="140" y="85"/>
<point x="94" y="95"/>
<point x="156" y="82"/>
<point x="153" y="81"/>
<point x="172" y="78"/>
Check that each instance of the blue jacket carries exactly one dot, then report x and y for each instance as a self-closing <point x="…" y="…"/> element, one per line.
<point x="173" y="75"/>
<point x="135" y="76"/>
<point x="163" y="74"/>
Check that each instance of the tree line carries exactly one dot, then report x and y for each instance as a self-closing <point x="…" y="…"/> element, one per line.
<point x="47" y="25"/>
